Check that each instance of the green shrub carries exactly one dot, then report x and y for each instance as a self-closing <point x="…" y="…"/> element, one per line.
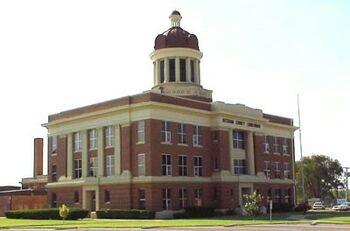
<point x="74" y="214"/>
<point x="194" y="212"/>
<point x="125" y="214"/>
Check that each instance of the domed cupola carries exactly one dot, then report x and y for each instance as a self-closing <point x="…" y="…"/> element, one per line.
<point x="176" y="58"/>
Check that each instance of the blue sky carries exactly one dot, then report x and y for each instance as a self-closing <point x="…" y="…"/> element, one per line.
<point x="58" y="55"/>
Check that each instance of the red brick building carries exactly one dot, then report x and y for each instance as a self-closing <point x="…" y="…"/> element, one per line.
<point x="169" y="147"/>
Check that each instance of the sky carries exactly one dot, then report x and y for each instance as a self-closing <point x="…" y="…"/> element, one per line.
<point x="58" y="55"/>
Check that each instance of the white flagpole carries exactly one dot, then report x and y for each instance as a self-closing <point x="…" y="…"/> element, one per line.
<point x="301" y="151"/>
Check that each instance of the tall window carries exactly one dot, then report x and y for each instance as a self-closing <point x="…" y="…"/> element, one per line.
<point x="110" y="165"/>
<point x="182" y="198"/>
<point x="77" y="141"/>
<point x="161" y="71"/>
<point x="278" y="195"/>
<point x="76" y="197"/>
<point x="266" y="144"/>
<point x="275" y="145"/>
<point x="166" y="165"/>
<point x="77" y="168"/>
<point x="53" y="172"/>
<point x="141" y="164"/>
<point x="109" y="136"/>
<point x="277" y="169"/>
<point x="238" y="139"/>
<point x="285" y="146"/>
<point x="182" y="165"/>
<point x="166" y="133"/>
<point x="239" y="167"/>
<point x="183" y="70"/>
<point x="171" y="70"/>
<point x="140" y="130"/>
<point x="198" y="197"/>
<point x="93" y="166"/>
<point x="53" y="144"/>
<point x="166" y="198"/>
<point x="197" y="166"/>
<point x="192" y="71"/>
<point x="107" y="197"/>
<point x="53" y="200"/>
<point x="267" y="169"/>
<point x="286" y="168"/>
<point x="197" y="135"/>
<point x="93" y="139"/>
<point x="142" y="199"/>
<point x="182" y="136"/>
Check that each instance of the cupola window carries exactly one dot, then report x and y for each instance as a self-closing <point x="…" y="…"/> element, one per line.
<point x="183" y="70"/>
<point x="171" y="70"/>
<point x="161" y="66"/>
<point x="192" y="71"/>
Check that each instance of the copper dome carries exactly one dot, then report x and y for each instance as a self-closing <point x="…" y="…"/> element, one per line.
<point x="176" y="36"/>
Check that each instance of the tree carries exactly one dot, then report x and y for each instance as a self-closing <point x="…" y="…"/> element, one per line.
<point x="252" y="203"/>
<point x="322" y="175"/>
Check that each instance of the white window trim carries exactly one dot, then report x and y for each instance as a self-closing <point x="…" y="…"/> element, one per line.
<point x="197" y="136"/>
<point x="182" y="165"/>
<point x="93" y="166"/>
<point x="196" y="168"/>
<point x="140" y="130"/>
<point x="266" y="145"/>
<point x="141" y="167"/>
<point x="77" y="142"/>
<point x="78" y="168"/>
<point x="93" y="139"/>
<point x="109" y="165"/>
<point x="167" y="198"/>
<point x="168" y="168"/>
<point x="236" y="140"/>
<point x="109" y="136"/>
<point x="166" y="132"/>
<point x="182" y="134"/>
<point x="275" y="145"/>
<point x="54" y="140"/>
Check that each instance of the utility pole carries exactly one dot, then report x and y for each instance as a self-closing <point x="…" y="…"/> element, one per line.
<point x="301" y="153"/>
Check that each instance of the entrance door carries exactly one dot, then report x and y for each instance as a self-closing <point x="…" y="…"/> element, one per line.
<point x="93" y="201"/>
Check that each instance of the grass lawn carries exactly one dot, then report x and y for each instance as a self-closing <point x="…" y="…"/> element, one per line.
<point x="340" y="218"/>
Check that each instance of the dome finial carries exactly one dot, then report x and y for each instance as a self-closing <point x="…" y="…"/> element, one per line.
<point x="175" y="18"/>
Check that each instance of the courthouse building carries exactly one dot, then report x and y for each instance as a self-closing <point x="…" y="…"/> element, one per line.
<point x="171" y="146"/>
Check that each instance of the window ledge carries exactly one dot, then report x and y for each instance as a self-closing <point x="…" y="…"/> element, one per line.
<point x="168" y="143"/>
<point x="266" y="152"/>
<point x="54" y="154"/>
<point x="197" y="145"/>
<point x="286" y="154"/>
<point x="141" y="142"/>
<point x="109" y="146"/>
<point x="185" y="145"/>
<point x="277" y="153"/>
<point x="92" y="149"/>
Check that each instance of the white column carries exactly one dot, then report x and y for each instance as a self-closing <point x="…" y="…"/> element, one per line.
<point x="100" y="152"/>
<point x="177" y="69"/>
<point x="250" y="153"/>
<point x="84" y="199"/>
<point x="117" y="163"/>
<point x="188" y="70"/>
<point x="69" y="156"/>
<point x="97" y="198"/>
<point x="84" y="154"/>
<point x="196" y="71"/>
<point x="166" y="70"/>
<point x="157" y="73"/>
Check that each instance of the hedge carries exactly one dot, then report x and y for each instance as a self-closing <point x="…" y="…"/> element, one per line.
<point x="45" y="214"/>
<point x="125" y="214"/>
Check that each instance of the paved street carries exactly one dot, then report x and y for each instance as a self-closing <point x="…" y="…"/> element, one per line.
<point x="319" y="227"/>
